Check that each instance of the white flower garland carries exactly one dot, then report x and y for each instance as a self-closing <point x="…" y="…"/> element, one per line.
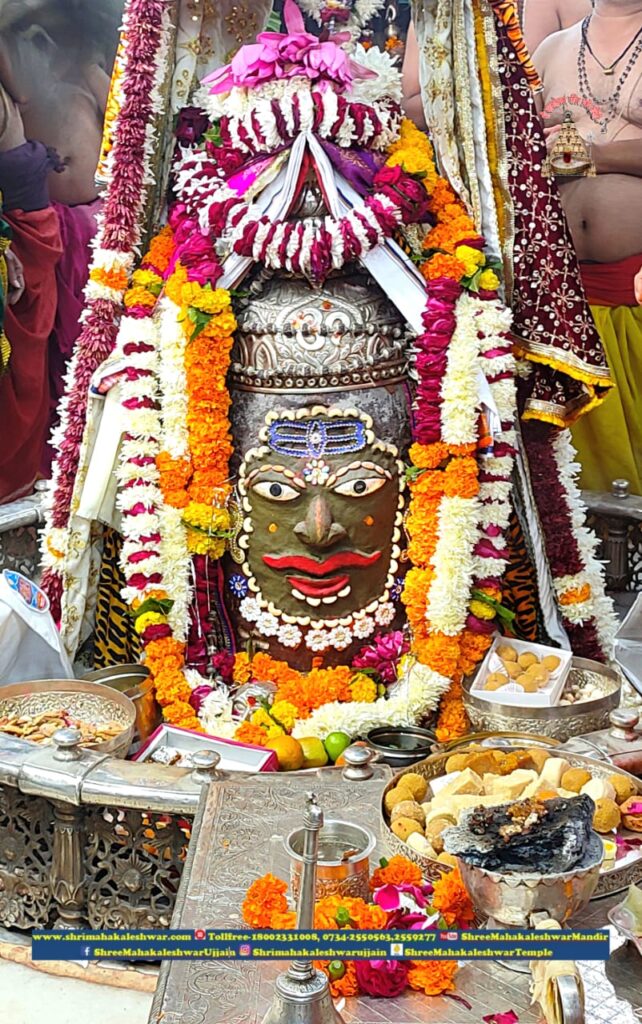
<point x="54" y="549"/>
<point x="453" y="562"/>
<point x="361" y="13"/>
<point x="598" y="606"/>
<point x="173" y="380"/>
<point x="244" y="109"/>
<point x="460" y="387"/>
<point x="418" y="693"/>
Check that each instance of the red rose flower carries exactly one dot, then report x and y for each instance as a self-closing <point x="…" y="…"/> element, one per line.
<point x="389" y="175"/>
<point x="382" y="979"/>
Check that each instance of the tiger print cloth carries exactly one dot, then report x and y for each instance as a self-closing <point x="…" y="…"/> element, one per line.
<point x="509" y="13"/>
<point x="115" y="640"/>
<point x="519" y="587"/>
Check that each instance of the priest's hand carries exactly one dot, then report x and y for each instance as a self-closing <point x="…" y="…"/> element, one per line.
<point x="15" y="277"/>
<point x="631" y="763"/>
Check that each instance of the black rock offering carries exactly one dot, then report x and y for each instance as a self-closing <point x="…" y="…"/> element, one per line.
<point x="546" y="837"/>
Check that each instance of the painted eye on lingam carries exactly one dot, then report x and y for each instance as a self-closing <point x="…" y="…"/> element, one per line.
<point x="325" y="478"/>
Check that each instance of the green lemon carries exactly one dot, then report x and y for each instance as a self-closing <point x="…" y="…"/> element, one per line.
<point x="314" y="752"/>
<point x="336" y="743"/>
<point x="336" y="970"/>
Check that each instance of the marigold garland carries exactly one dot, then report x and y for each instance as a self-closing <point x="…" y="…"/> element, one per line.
<point x="265" y="906"/>
<point x="453" y="257"/>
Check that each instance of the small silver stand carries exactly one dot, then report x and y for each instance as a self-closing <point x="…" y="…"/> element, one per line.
<point x="302" y="993"/>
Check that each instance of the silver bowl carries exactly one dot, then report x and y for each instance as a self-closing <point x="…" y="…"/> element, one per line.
<point x="336" y="873"/>
<point x="511" y="897"/>
<point x="559" y="722"/>
<point x="401" y="747"/>
<point x="90" y="702"/>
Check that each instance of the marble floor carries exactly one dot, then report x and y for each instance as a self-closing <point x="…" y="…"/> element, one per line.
<point x="29" y="997"/>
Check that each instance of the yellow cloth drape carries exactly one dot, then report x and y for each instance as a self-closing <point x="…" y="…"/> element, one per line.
<point x="609" y="438"/>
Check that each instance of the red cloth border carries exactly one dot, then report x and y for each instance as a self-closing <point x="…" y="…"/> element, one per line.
<point x="611" y="284"/>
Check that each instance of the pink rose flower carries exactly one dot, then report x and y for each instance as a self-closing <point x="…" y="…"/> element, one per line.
<point x="383" y="655"/>
<point x="198" y="695"/>
<point x="382" y="979"/>
<point x="275" y="55"/>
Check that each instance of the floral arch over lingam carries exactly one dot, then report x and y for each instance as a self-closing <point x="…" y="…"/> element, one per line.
<point x="326" y="511"/>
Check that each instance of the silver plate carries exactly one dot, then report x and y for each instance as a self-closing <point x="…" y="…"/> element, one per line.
<point x="89" y="702"/>
<point x="559" y="722"/>
<point x="232" y="846"/>
<point x="612" y="880"/>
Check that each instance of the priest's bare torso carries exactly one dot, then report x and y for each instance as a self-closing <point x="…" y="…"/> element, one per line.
<point x="605" y="212"/>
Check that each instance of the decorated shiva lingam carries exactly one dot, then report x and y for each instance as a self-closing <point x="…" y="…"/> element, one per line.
<point x="302" y="993"/>
<point x="321" y="423"/>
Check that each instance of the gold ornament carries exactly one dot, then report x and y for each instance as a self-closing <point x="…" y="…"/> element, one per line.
<point x="570" y="156"/>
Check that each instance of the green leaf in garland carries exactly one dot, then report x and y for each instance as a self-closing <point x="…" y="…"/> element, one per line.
<point x="213" y="135"/>
<point x="162" y="606"/>
<point x="199" y="319"/>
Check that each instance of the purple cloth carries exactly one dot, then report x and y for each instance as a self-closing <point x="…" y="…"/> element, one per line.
<point x="357" y="166"/>
<point x="77" y="228"/>
<point x="23" y="176"/>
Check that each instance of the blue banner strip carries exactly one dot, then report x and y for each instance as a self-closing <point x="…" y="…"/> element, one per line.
<point x="344" y="944"/>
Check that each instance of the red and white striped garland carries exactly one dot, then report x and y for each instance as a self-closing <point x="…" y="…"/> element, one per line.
<point x="147" y="32"/>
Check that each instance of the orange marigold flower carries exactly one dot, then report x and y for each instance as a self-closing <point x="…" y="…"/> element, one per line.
<point x="575" y="595"/>
<point x="346" y="986"/>
<point x="440" y="265"/>
<point x="264" y="898"/>
<point x="451" y="899"/>
<point x="283" y="920"/>
<point x="114" y="277"/>
<point x="461" y="478"/>
<point x="247" y="732"/>
<point x="432" y="976"/>
<point x="398" y="871"/>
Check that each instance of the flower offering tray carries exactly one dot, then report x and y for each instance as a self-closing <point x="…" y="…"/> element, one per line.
<point x="237" y="837"/>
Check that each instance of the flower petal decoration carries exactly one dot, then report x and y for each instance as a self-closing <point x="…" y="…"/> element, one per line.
<point x="509" y="1017"/>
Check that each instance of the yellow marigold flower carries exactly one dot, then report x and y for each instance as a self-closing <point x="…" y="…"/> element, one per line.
<point x="148" y="619"/>
<point x="488" y="280"/>
<point x="482" y="610"/>
<point x="471" y="258"/>
<point x="203" y="544"/>
<point x="146" y="278"/>
<point x="363" y="689"/>
<point x="264" y="721"/>
<point x="209" y="301"/>
<point x="286" y="713"/>
<point x="209" y="518"/>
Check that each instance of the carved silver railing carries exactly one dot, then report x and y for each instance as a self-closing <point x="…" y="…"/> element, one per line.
<point x="20" y="522"/>
<point x="87" y="839"/>
<point x="617" y="517"/>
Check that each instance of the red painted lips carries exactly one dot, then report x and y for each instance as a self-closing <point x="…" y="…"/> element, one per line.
<point x="321" y="579"/>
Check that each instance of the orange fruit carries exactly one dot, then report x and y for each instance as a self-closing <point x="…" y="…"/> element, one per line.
<point x="289" y="752"/>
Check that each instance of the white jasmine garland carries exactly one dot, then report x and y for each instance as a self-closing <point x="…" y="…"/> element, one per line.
<point x="598" y="606"/>
<point x="176" y="568"/>
<point x="415" y="696"/>
<point x="454" y="565"/>
<point x="173" y="382"/>
<point x="460" y="387"/>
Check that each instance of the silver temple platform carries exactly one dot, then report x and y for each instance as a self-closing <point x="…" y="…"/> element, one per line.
<point x="237" y="837"/>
